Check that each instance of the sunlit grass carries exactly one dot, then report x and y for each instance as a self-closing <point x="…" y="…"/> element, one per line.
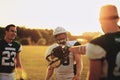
<point x="34" y="64"/>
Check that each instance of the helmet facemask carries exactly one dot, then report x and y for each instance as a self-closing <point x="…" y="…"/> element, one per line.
<point x="62" y="41"/>
<point x="61" y="38"/>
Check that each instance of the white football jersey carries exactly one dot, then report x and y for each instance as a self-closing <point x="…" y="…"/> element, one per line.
<point x="50" y="48"/>
<point x="67" y="68"/>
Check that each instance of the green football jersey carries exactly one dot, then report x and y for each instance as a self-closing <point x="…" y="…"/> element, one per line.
<point x="8" y="53"/>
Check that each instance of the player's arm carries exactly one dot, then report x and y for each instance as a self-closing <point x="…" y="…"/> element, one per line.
<point x="49" y="72"/>
<point x="95" y="70"/>
<point x="18" y="58"/>
<point x="79" y="65"/>
<point x="18" y="64"/>
<point x="95" y="53"/>
<point x="78" y="49"/>
<point x="50" y="69"/>
<point x="18" y="61"/>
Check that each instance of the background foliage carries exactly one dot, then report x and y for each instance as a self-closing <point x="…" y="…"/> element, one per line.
<point x="29" y="36"/>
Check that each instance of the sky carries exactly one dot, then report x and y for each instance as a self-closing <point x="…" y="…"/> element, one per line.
<point x="76" y="16"/>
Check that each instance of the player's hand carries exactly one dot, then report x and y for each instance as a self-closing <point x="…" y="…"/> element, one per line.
<point x="76" y="77"/>
<point x="21" y="78"/>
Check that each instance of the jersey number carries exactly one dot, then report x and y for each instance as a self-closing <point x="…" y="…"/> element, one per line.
<point x="6" y="59"/>
<point x="116" y="71"/>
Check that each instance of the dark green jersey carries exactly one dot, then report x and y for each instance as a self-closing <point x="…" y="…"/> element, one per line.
<point x="111" y="44"/>
<point x="8" y="53"/>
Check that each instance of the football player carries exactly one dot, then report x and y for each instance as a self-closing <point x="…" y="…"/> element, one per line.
<point x="104" y="51"/>
<point x="66" y="70"/>
<point x="9" y="54"/>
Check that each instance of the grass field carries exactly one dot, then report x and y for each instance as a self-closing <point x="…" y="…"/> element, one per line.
<point x="34" y="64"/>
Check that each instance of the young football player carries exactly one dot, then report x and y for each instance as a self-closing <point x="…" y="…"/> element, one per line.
<point x="65" y="71"/>
<point x="9" y="54"/>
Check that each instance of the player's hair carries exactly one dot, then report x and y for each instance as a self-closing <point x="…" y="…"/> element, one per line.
<point x="8" y="27"/>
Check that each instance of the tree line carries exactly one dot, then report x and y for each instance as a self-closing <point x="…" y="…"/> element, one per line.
<point x="28" y="36"/>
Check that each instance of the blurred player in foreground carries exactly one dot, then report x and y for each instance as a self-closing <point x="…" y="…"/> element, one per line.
<point x="104" y="51"/>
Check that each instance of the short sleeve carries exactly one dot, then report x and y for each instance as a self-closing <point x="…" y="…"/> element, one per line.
<point x="20" y="48"/>
<point x="50" y="48"/>
<point x="94" y="51"/>
<point x="77" y="43"/>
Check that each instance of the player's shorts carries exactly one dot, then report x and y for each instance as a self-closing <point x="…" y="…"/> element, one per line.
<point x="7" y="76"/>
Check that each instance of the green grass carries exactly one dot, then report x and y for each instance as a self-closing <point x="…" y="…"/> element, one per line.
<point x="34" y="64"/>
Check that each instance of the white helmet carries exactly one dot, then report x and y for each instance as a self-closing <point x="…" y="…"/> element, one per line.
<point x="59" y="30"/>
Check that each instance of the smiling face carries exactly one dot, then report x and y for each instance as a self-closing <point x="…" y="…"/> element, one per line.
<point x="11" y="33"/>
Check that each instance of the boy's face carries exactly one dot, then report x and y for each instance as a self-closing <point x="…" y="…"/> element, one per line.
<point x="61" y="38"/>
<point x="11" y="33"/>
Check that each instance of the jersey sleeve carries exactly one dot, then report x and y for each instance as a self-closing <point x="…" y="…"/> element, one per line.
<point x="50" y="48"/>
<point x="73" y="43"/>
<point x="77" y="43"/>
<point x="94" y="51"/>
<point x="20" y="48"/>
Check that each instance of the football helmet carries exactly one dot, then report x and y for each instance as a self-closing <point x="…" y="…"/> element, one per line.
<point x="59" y="30"/>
